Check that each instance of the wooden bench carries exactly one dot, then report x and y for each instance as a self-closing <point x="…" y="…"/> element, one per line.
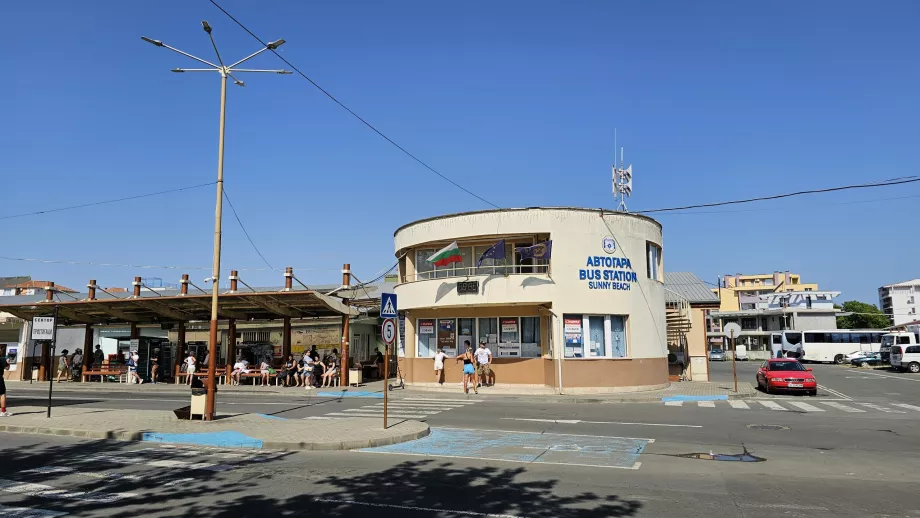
<point x="104" y="373"/>
<point x="256" y="374"/>
<point x="183" y="376"/>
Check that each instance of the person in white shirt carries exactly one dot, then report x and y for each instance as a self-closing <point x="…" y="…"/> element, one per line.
<point x="484" y="359"/>
<point x="439" y="364"/>
<point x="190" y="367"/>
<point x="240" y="367"/>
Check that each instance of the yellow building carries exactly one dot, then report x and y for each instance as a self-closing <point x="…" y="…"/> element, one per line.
<point x="739" y="292"/>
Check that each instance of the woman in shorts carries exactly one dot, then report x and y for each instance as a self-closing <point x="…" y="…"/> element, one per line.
<point x="469" y="371"/>
<point x="63" y="366"/>
<point x="439" y="365"/>
<point x="190" y="367"/>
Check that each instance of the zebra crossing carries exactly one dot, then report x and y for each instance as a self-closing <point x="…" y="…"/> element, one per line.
<point x="119" y="477"/>
<point x="402" y="408"/>
<point x="852" y="407"/>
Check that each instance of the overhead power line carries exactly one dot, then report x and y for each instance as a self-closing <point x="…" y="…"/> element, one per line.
<point x="885" y="183"/>
<point x="152" y="266"/>
<point x="103" y="202"/>
<point x="353" y="113"/>
<point x="238" y="220"/>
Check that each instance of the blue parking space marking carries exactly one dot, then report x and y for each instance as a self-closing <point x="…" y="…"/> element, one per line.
<point x="525" y="447"/>
<point x="225" y="439"/>
<point x="345" y="393"/>
<point x="695" y="398"/>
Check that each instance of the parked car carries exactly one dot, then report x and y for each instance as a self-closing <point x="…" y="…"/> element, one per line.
<point x="868" y="359"/>
<point x="716" y="355"/>
<point x="857" y="354"/>
<point x="786" y="374"/>
<point x="905" y="351"/>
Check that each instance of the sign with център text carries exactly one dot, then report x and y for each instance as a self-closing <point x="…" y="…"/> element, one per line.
<point x="43" y="328"/>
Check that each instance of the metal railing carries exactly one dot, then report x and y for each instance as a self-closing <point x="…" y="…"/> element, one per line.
<point x="471" y="271"/>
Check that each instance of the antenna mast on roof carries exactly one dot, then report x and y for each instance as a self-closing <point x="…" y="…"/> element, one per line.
<point x="622" y="178"/>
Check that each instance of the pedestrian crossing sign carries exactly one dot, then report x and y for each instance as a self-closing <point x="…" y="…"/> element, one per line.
<point x="388" y="305"/>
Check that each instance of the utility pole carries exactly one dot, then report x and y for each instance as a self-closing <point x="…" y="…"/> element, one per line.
<point x="225" y="71"/>
<point x="346" y="333"/>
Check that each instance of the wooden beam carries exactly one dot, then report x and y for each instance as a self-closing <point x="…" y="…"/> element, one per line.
<point x="165" y="311"/>
<point x="73" y="316"/>
<point x="273" y="306"/>
<point x="239" y="315"/>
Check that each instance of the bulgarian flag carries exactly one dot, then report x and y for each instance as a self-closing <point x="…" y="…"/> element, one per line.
<point x="447" y="255"/>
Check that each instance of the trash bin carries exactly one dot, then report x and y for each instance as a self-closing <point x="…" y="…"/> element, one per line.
<point x="198" y="402"/>
<point x="354" y="377"/>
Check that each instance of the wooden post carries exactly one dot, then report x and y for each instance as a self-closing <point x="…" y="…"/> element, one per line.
<point x="180" y="350"/>
<point x="734" y="353"/>
<point x="346" y="334"/>
<point x="386" y="380"/>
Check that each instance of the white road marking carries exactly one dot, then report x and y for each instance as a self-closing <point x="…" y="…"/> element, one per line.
<point x="379" y="410"/>
<point x="834" y="392"/>
<point x="796" y="507"/>
<point x="461" y="401"/>
<point x="880" y="408"/>
<point x="772" y="406"/>
<point x="25" y="512"/>
<point x="390" y="414"/>
<point x="420" y="407"/>
<point x="577" y="421"/>
<point x="905" y="405"/>
<point x="673" y="403"/>
<point x="707" y="404"/>
<point x="178" y="481"/>
<point x="840" y="406"/>
<point x="738" y="404"/>
<point x="806" y="407"/>
<point x="413" y="508"/>
<point x="50" y="470"/>
<point x="634" y="466"/>
<point x="893" y="376"/>
<point x="44" y="491"/>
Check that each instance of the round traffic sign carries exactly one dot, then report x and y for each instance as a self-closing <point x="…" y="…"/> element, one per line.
<point x="731" y="328"/>
<point x="389" y="331"/>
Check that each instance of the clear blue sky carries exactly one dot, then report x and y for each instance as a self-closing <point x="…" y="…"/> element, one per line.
<point x="515" y="100"/>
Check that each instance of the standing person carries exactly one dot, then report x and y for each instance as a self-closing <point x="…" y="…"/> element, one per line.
<point x="155" y="365"/>
<point x="313" y="354"/>
<point x="288" y="370"/>
<point x="133" y="376"/>
<point x="63" y="365"/>
<point x="98" y="357"/>
<point x="4" y="365"/>
<point x="469" y="372"/>
<point x="484" y="357"/>
<point x="439" y="363"/>
<point x="378" y="363"/>
<point x="76" y="365"/>
<point x="306" y="372"/>
<point x="190" y="367"/>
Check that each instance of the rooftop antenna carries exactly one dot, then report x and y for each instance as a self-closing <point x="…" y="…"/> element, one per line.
<point x="622" y="178"/>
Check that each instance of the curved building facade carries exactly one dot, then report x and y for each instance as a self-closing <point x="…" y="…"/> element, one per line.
<point x="567" y="298"/>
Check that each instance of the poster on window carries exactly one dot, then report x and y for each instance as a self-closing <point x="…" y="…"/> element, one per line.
<point x="426" y="327"/>
<point x="509" y="325"/>
<point x="447" y="334"/>
<point x="574" y="342"/>
<point x="402" y="337"/>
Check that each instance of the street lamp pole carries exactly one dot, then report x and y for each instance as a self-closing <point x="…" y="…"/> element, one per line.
<point x="225" y="71"/>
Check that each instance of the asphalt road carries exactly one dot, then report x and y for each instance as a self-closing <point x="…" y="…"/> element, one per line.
<point x="851" y="451"/>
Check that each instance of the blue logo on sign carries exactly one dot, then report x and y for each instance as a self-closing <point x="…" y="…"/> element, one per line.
<point x="610" y="245"/>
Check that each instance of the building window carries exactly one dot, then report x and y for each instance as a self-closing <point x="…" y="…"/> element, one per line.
<point x="653" y="262"/>
<point x="426" y="337"/>
<point x="531" y="346"/>
<point x="749" y="324"/>
<point x="595" y="336"/>
<point x="488" y="331"/>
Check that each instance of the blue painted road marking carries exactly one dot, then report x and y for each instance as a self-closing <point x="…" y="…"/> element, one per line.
<point x="525" y="447"/>
<point x="695" y="398"/>
<point x="227" y="439"/>
<point x="345" y="393"/>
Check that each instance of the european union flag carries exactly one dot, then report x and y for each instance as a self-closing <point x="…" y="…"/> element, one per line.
<point x="496" y="251"/>
<point x="542" y="250"/>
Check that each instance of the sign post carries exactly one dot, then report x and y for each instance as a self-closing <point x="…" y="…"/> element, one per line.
<point x="732" y="329"/>
<point x="388" y="333"/>
<point x="45" y="328"/>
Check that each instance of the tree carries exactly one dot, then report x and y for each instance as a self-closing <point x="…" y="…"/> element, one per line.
<point x="864" y="316"/>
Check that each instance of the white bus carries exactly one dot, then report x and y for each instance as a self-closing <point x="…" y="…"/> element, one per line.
<point x="833" y="345"/>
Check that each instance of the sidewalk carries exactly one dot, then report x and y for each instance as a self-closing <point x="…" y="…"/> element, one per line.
<point x="685" y="389"/>
<point x="228" y="431"/>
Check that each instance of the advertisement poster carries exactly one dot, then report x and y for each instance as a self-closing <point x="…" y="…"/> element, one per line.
<point x="426" y="327"/>
<point x="447" y="334"/>
<point x="402" y="336"/>
<point x="12" y="353"/>
<point x="574" y="347"/>
<point x="509" y="325"/>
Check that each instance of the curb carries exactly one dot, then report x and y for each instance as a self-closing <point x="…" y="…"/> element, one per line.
<point x="137" y="436"/>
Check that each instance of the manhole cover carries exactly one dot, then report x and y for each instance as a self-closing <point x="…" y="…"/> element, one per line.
<point x="767" y="427"/>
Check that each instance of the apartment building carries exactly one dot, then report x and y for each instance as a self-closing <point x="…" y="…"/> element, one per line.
<point x="900" y="301"/>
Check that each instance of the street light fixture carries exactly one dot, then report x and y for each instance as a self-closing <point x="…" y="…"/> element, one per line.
<point x="225" y="72"/>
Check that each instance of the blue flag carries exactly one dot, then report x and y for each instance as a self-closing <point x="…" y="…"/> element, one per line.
<point x="496" y="251"/>
<point x="542" y="250"/>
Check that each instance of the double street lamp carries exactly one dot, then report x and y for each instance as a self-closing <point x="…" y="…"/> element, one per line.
<point x="225" y="71"/>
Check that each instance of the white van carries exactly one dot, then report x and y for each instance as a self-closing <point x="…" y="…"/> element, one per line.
<point x="905" y="351"/>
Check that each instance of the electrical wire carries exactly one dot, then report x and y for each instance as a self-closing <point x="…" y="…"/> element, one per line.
<point x="884" y="183"/>
<point x="150" y="266"/>
<point x="92" y="204"/>
<point x="773" y="209"/>
<point x="352" y="112"/>
<point x="238" y="220"/>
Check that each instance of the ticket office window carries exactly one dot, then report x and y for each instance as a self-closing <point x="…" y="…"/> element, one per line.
<point x="595" y="336"/>
<point x="426" y="337"/>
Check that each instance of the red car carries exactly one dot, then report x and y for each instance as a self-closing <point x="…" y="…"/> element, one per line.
<point x="778" y="374"/>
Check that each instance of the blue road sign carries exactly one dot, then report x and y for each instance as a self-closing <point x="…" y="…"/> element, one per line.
<point x="388" y="305"/>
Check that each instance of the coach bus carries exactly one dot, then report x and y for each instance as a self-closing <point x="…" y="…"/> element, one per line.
<point x="834" y="345"/>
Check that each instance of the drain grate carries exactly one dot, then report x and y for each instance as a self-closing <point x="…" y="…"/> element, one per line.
<point x="767" y="427"/>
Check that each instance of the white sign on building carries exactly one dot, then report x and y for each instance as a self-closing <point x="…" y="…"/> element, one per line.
<point x="43" y="328"/>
